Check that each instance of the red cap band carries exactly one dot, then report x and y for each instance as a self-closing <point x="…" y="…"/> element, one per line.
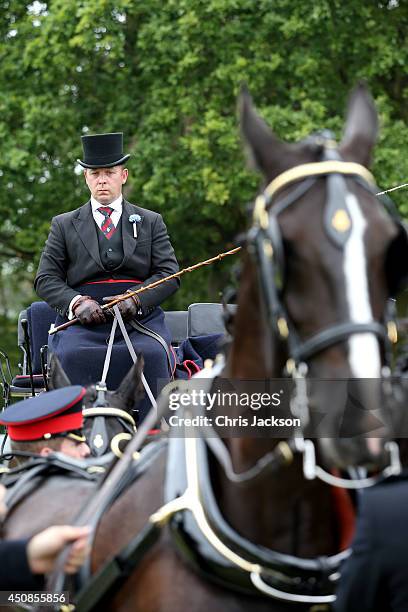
<point x="37" y="430"/>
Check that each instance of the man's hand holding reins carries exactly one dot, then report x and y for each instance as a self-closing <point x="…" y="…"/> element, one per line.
<point x="44" y="548"/>
<point x="88" y="311"/>
<point x="129" y="308"/>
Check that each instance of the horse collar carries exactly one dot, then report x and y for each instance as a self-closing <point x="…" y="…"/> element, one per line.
<point x="214" y="548"/>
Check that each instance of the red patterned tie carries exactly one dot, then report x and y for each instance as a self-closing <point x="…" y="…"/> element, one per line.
<point x="107" y="226"/>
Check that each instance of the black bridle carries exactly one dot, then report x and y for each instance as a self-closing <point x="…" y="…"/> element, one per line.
<point x="265" y="244"/>
<point x="100" y="410"/>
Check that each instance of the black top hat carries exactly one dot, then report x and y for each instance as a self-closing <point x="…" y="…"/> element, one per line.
<point x="103" y="150"/>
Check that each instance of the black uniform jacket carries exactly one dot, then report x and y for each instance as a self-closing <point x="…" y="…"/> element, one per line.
<point x="14" y="570"/>
<point x="375" y="577"/>
<point x="71" y="257"/>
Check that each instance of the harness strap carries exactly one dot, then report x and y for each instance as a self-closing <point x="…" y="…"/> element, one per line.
<point x="14" y="494"/>
<point x="332" y="335"/>
<point x="118" y="320"/>
<point x="317" y="169"/>
<point x="267" y="268"/>
<point x="109" y="351"/>
<point x="20" y="481"/>
<point x="141" y="464"/>
<point x="191" y="500"/>
<point x="133" y="355"/>
<point x="114" y="573"/>
<point x="109" y="411"/>
<point x="280" y="456"/>
<point x="286" y="564"/>
<point x="142" y="329"/>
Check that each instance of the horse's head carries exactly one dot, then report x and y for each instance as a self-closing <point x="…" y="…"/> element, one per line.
<point x="328" y="256"/>
<point x="109" y="415"/>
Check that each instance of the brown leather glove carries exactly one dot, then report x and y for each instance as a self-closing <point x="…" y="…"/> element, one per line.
<point x="129" y="309"/>
<point x="88" y="311"/>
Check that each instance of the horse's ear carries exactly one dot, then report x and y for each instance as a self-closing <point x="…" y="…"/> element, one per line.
<point x="360" y="131"/>
<point x="266" y="151"/>
<point x="130" y="389"/>
<point x="56" y="374"/>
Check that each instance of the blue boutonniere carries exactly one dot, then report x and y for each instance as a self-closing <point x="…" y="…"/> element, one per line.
<point x="135" y="219"/>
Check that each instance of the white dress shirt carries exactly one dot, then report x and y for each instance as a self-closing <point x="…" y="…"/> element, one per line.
<point x="99" y="219"/>
<point x="116" y="214"/>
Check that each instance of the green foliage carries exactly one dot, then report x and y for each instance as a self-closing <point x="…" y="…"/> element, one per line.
<point x="168" y="74"/>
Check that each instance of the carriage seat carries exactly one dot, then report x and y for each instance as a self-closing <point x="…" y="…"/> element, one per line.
<point x="176" y="321"/>
<point x="39" y="316"/>
<point x="205" y="336"/>
<point x="206" y="318"/>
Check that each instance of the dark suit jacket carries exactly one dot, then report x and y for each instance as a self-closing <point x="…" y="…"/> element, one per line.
<point x="71" y="257"/>
<point x="14" y="569"/>
<point x="375" y="577"/>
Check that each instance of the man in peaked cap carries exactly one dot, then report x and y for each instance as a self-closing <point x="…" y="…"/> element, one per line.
<point x="47" y="423"/>
<point x="105" y="248"/>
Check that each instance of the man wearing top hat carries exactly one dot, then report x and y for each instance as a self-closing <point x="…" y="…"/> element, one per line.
<point x="50" y="422"/>
<point x="106" y="248"/>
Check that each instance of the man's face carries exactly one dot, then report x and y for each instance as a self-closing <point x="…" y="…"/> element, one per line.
<point x="78" y="450"/>
<point x="105" y="184"/>
<point x="72" y="448"/>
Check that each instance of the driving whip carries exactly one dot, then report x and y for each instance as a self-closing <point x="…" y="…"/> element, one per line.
<point x="125" y="296"/>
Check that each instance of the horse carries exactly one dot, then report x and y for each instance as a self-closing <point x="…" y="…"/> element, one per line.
<point x="109" y="421"/>
<point x="318" y="266"/>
